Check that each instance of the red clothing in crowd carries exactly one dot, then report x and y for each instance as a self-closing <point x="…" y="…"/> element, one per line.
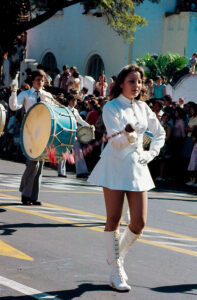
<point x="92" y="117"/>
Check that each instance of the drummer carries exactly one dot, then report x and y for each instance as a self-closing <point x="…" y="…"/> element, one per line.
<point x="80" y="164"/>
<point x="31" y="179"/>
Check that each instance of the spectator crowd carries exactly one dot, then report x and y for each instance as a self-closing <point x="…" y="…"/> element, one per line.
<point x="178" y="157"/>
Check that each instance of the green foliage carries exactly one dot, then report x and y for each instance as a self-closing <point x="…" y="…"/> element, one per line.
<point x="120" y="14"/>
<point x="161" y="65"/>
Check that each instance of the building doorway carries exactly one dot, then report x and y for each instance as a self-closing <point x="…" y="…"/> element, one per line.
<point x="95" y="67"/>
<point x="49" y="62"/>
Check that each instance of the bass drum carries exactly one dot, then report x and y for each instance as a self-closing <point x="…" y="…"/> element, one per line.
<point x="47" y="127"/>
<point x="2" y="118"/>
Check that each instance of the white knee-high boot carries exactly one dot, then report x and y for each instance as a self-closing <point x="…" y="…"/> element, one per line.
<point x="126" y="241"/>
<point x="117" y="280"/>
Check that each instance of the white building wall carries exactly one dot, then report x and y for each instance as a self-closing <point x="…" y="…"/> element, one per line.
<point x="148" y="39"/>
<point x="186" y="88"/>
<point x="73" y="38"/>
<point x="175" y="35"/>
<point x="192" y="35"/>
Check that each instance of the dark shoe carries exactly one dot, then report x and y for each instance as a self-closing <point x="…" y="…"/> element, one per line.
<point x="82" y="175"/>
<point x="36" y="203"/>
<point x="25" y="200"/>
<point x="60" y="175"/>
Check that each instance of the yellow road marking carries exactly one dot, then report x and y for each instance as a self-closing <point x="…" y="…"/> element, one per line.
<point x="7" y="250"/>
<point x="58" y="219"/>
<point x="70" y="192"/>
<point x="173" y="248"/>
<point x="55" y="191"/>
<point x="183" y="214"/>
<point x="65" y="221"/>
<point x="8" y="190"/>
<point x="183" y="236"/>
<point x="81" y="212"/>
<point x="9" y="196"/>
<point x="91" y="192"/>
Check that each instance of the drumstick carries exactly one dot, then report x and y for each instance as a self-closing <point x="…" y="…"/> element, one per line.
<point x="70" y="156"/>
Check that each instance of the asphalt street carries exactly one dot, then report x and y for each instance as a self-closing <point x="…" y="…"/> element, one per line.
<point x="56" y="251"/>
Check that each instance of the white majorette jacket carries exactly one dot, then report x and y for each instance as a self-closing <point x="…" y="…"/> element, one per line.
<point x="119" y="167"/>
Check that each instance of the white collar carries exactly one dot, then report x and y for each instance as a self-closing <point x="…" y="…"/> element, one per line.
<point x="34" y="90"/>
<point x="125" y="100"/>
<point x="71" y="108"/>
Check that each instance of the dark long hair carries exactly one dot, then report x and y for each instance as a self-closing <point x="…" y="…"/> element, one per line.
<point x="117" y="90"/>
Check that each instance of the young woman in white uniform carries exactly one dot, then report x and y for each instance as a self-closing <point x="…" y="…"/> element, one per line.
<point x="122" y="167"/>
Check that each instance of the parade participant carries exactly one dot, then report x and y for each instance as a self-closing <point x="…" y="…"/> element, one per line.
<point x="123" y="168"/>
<point x="80" y="164"/>
<point x="30" y="182"/>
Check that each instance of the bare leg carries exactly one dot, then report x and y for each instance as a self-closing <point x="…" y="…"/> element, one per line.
<point x="138" y="204"/>
<point x="114" y="203"/>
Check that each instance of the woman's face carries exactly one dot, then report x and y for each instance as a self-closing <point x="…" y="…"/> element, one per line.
<point x="132" y="85"/>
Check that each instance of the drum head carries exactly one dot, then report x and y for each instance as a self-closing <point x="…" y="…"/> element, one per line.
<point x="36" y="131"/>
<point x="2" y="118"/>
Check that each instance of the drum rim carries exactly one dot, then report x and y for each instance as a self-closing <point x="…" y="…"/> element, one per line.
<point x="21" y="132"/>
<point x="3" y="115"/>
<point x="52" y="132"/>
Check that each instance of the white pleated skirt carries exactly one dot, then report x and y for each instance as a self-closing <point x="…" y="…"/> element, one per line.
<point x="122" y="174"/>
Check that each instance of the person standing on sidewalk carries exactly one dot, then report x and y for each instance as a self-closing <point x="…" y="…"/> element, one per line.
<point x="123" y="168"/>
<point x="31" y="179"/>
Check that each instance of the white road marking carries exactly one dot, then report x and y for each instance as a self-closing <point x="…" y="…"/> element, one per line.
<point x="3" y="198"/>
<point x="54" y="183"/>
<point x="26" y="290"/>
<point x="70" y="184"/>
<point x="163" y="237"/>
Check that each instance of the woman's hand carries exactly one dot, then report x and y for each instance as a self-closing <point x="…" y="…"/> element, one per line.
<point x="130" y="133"/>
<point x="129" y="128"/>
<point x="146" y="156"/>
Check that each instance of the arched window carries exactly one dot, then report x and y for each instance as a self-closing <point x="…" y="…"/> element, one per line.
<point x="95" y="66"/>
<point x="49" y="61"/>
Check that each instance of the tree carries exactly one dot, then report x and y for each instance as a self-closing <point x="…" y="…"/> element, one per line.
<point x="161" y="65"/>
<point x="20" y="15"/>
